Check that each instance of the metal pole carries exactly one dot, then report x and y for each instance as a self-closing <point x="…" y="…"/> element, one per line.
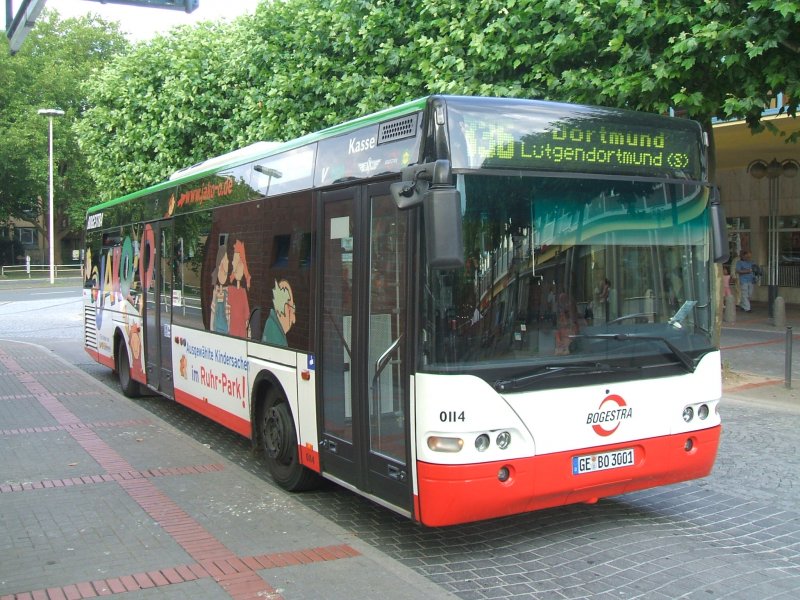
<point x="50" y="230"/>
<point x="772" y="237"/>
<point x="50" y="113"/>
<point x="788" y="365"/>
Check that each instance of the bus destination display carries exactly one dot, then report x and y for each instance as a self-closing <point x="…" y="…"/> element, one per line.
<point x="589" y="145"/>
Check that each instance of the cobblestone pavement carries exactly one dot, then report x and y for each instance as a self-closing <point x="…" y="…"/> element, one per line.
<point x="735" y="534"/>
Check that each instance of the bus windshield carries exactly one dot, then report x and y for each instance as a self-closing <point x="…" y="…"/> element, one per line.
<point x="572" y="271"/>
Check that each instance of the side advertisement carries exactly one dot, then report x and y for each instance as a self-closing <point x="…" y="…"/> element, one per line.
<point x="211" y="376"/>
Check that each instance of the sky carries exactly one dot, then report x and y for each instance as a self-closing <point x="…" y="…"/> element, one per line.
<point x="142" y="23"/>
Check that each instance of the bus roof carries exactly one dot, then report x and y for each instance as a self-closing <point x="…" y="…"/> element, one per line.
<point x="265" y="149"/>
<point x="546" y="115"/>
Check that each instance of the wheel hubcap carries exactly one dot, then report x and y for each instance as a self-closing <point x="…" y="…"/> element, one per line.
<point x="275" y="434"/>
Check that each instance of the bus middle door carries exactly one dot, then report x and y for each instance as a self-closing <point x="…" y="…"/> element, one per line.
<point x="158" y="307"/>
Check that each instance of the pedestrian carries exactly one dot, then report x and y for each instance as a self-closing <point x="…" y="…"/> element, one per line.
<point x="744" y="269"/>
<point x="600" y="303"/>
<point x="567" y="325"/>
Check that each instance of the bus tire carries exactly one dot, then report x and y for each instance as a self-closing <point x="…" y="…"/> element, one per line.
<point x="129" y="386"/>
<point x="279" y="442"/>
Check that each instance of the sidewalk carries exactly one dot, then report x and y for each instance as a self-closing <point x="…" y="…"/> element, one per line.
<point x="754" y="355"/>
<point x="9" y="283"/>
<point x="759" y="319"/>
<point x="100" y="497"/>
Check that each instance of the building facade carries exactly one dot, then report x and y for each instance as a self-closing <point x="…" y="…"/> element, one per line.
<point x="759" y="180"/>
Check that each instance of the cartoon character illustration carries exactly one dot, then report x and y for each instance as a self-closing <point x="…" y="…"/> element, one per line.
<point x="135" y="334"/>
<point x="86" y="268"/>
<point x="237" y="294"/>
<point x="182" y="366"/>
<point x="134" y="331"/>
<point x="282" y="316"/>
<point x="220" y="310"/>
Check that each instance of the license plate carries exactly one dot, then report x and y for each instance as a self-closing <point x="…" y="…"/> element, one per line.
<point x="590" y="463"/>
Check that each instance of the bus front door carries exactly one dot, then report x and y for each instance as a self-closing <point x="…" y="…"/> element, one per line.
<point x="361" y="371"/>
<point x="158" y="307"/>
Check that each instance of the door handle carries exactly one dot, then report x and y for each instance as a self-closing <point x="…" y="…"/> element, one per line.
<point x="383" y="359"/>
<point x="380" y="365"/>
<point x="396" y="473"/>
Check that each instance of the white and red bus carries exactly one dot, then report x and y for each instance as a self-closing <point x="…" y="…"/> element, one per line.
<point x="461" y="308"/>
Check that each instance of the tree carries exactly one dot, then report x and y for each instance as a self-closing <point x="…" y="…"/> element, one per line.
<point x="47" y="73"/>
<point x="167" y="104"/>
<point x="299" y="65"/>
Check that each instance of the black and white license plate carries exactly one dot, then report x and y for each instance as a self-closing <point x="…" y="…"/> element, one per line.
<point x="589" y="463"/>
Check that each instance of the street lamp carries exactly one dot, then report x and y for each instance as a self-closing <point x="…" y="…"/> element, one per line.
<point x="50" y="113"/>
<point x="773" y="170"/>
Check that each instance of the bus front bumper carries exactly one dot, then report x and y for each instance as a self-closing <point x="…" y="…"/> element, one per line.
<point x="451" y="494"/>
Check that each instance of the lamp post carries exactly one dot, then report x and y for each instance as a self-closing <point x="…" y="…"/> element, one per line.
<point x="772" y="171"/>
<point x="50" y="113"/>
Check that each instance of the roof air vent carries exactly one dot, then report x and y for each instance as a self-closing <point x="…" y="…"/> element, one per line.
<point x="397" y="129"/>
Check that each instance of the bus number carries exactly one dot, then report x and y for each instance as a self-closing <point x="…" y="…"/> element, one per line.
<point x="451" y="416"/>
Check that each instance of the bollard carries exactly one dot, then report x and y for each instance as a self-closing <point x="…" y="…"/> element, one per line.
<point x="729" y="312"/>
<point x="779" y="312"/>
<point x="788" y="367"/>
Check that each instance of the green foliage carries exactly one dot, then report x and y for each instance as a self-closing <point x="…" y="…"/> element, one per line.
<point x="300" y="65"/>
<point x="47" y="73"/>
<point x="162" y="106"/>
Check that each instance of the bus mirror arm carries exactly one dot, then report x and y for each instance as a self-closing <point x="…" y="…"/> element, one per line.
<point x="416" y="181"/>
<point x="408" y="193"/>
<point x="719" y="234"/>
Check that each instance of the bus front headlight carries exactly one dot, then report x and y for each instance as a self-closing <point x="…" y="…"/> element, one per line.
<point x="482" y="442"/>
<point x="503" y="440"/>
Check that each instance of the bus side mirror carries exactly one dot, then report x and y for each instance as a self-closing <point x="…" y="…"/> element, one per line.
<point x="444" y="244"/>
<point x="719" y="233"/>
<point x="430" y="184"/>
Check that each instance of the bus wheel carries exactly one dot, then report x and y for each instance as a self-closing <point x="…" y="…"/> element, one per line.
<point x="279" y="442"/>
<point x="130" y="387"/>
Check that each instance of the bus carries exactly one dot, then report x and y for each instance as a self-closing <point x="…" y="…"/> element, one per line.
<point x="459" y="307"/>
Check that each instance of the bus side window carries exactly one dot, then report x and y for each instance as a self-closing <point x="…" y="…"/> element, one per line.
<point x="191" y="246"/>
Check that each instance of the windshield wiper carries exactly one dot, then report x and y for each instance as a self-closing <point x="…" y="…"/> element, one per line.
<point x="684" y="358"/>
<point x="516" y="383"/>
